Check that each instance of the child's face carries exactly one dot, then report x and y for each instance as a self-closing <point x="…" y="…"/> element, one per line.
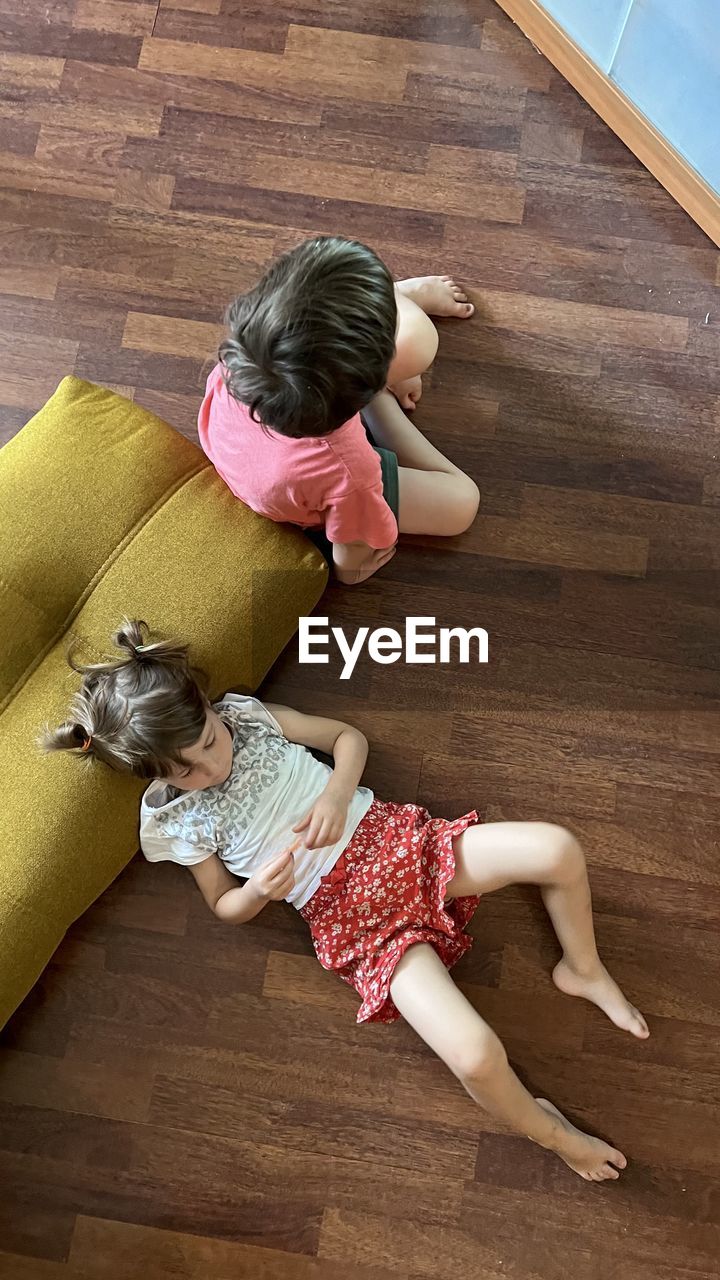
<point x="208" y="761"/>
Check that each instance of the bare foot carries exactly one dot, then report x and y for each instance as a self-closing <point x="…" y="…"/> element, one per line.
<point x="437" y="296"/>
<point x="408" y="392"/>
<point x="603" y="991"/>
<point x="592" y="1158"/>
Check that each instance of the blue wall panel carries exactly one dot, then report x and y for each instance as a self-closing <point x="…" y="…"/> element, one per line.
<point x="594" y="25"/>
<point x="668" y="64"/>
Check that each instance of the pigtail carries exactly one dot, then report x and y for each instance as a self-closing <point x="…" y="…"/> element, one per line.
<point x="70" y="736"/>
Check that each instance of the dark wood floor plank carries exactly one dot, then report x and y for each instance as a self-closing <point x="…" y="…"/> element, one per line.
<point x="106" y="1250"/>
<point x="339" y="1129"/>
<point x="56" y="39"/>
<point x="557" y="1232"/>
<point x="357" y="218"/>
<point x="191" y="139"/>
<point x="89" y="1089"/>
<point x="230" y="28"/>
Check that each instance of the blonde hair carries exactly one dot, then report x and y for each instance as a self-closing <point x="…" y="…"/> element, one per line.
<point x="135" y="713"/>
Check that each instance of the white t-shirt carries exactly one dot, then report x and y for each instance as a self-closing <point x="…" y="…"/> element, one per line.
<point x="273" y="784"/>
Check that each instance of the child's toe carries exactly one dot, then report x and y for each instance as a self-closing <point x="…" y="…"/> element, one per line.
<point x="640" y="1026"/>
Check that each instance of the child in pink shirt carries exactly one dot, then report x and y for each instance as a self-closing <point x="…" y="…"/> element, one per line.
<point x="323" y="336"/>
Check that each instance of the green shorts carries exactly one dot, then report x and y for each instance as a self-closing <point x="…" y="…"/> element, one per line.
<point x="391" y="494"/>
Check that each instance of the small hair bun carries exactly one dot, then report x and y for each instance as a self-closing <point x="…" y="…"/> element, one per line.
<point x="131" y="637"/>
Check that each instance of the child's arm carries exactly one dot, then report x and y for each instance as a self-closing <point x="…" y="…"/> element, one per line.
<point x="234" y="903"/>
<point x="325" y="822"/>
<point x="355" y="562"/>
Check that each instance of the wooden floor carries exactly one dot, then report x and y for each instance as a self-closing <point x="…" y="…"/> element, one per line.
<point x="181" y="1099"/>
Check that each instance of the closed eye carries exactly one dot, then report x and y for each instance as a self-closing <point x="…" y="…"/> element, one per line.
<point x="186" y="772"/>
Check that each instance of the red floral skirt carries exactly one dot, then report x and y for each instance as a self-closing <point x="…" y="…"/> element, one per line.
<point x="385" y="893"/>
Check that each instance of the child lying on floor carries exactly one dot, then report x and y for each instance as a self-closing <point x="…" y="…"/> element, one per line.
<point x="386" y="889"/>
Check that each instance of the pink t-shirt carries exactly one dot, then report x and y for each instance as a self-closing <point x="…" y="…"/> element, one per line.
<point x="333" y="480"/>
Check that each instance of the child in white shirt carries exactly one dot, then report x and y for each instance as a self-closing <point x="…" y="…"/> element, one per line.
<point x="386" y="889"/>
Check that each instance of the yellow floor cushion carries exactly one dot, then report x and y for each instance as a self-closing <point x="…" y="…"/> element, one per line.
<point x="106" y="511"/>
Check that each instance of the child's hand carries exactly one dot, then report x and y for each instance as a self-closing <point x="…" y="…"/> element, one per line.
<point x="325" y="822"/>
<point x="276" y="878"/>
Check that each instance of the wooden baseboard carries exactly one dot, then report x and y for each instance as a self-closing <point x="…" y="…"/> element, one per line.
<point x="671" y="169"/>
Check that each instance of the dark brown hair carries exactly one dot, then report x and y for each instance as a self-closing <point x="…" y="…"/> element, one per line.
<point x="136" y="713"/>
<point x="312" y="343"/>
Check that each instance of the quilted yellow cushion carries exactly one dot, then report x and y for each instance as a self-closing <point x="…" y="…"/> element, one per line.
<point x="106" y="511"/>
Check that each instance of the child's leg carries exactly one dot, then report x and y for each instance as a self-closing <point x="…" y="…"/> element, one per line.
<point x="493" y="854"/>
<point x="416" y="344"/>
<point x="416" y="340"/>
<point x="435" y="496"/>
<point x="428" y="999"/>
